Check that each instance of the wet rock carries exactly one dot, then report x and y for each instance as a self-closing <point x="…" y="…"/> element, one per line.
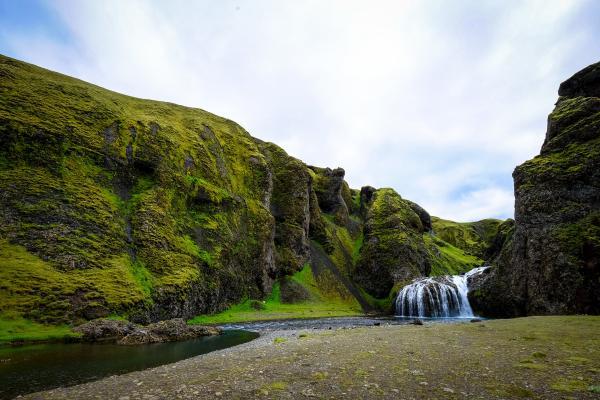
<point x="417" y="322"/>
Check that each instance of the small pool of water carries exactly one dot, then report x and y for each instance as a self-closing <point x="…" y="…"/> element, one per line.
<point x="33" y="368"/>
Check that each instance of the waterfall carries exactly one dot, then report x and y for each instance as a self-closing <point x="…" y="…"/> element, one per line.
<point x="443" y="296"/>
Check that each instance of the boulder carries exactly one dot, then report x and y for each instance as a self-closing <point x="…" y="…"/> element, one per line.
<point x="105" y="330"/>
<point x="128" y="333"/>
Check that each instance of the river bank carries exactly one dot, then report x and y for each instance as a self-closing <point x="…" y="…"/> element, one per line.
<point x="534" y="357"/>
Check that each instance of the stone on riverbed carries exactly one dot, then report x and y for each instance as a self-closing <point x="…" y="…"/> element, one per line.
<point x="127" y="333"/>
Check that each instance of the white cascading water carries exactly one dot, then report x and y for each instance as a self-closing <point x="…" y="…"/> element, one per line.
<point x="439" y="297"/>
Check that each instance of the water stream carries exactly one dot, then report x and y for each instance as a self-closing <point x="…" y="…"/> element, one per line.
<point x="437" y="297"/>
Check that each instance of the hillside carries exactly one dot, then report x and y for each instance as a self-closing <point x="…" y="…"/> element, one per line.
<point x="116" y="206"/>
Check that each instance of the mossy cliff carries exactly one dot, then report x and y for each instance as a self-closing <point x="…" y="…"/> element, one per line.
<point x="550" y="264"/>
<point x="113" y="205"/>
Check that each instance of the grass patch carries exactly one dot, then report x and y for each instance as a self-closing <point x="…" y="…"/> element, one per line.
<point x="17" y="329"/>
<point x="570" y="385"/>
<point x="279" y="385"/>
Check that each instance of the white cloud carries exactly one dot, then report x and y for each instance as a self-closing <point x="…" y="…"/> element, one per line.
<point x="440" y="100"/>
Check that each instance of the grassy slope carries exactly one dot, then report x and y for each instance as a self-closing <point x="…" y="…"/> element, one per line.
<point x="322" y="303"/>
<point x="447" y="259"/>
<point x="471" y="237"/>
<point x="14" y="329"/>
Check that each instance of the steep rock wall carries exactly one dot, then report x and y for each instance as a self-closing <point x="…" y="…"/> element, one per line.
<point x="551" y="263"/>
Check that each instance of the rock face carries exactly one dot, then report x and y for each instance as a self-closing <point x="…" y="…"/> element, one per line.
<point x="124" y="332"/>
<point x="550" y="265"/>
<point x="393" y="251"/>
<point x="328" y="185"/>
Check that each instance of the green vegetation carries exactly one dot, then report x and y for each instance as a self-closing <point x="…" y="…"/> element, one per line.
<point x="321" y="303"/>
<point x="127" y="203"/>
<point x="393" y="245"/>
<point x="447" y="259"/>
<point x="14" y="329"/>
<point x="33" y="288"/>
<point x="471" y="237"/>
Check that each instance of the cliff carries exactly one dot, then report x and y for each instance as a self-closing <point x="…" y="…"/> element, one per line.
<point x="116" y="206"/>
<point x="550" y="263"/>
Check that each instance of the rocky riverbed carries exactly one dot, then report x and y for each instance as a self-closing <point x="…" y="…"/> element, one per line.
<point x="534" y="357"/>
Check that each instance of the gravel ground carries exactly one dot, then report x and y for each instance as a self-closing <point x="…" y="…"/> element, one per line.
<point x="535" y="357"/>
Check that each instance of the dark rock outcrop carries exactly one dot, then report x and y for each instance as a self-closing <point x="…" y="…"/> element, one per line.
<point x="423" y="215"/>
<point x="124" y="332"/>
<point x="551" y="263"/>
<point x="290" y="206"/>
<point x="585" y="83"/>
<point x="328" y="185"/>
<point x="99" y="330"/>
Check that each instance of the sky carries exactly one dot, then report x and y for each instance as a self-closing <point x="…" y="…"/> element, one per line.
<point x="439" y="100"/>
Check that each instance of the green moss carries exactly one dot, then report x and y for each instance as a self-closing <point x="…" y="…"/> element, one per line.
<point x="90" y="175"/>
<point x="32" y="287"/>
<point x="278" y="385"/>
<point x="357" y="246"/>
